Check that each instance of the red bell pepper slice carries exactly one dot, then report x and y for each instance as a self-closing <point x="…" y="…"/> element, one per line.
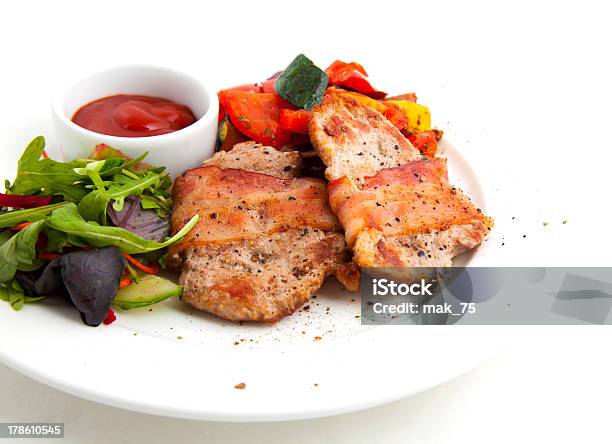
<point x="352" y="76"/>
<point x="425" y="142"/>
<point x="268" y="86"/>
<point x="411" y="97"/>
<point x="256" y="115"/>
<point x="248" y="87"/>
<point x="20" y="201"/>
<point x="295" y="121"/>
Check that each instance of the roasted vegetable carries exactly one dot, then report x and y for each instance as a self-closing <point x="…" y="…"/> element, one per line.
<point x="411" y="97"/>
<point x="352" y="76"/>
<point x="228" y="135"/>
<point x="302" y="83"/>
<point x="418" y="116"/>
<point x="425" y="142"/>
<point x="256" y="115"/>
<point x="407" y="116"/>
<point x="295" y="121"/>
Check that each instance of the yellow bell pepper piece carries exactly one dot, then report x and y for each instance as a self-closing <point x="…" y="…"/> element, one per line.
<point x="419" y="118"/>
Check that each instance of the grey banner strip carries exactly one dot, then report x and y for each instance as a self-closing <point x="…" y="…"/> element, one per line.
<point x="486" y="296"/>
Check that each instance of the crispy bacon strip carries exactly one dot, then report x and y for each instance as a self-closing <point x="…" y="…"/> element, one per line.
<point x="411" y="199"/>
<point x="236" y="204"/>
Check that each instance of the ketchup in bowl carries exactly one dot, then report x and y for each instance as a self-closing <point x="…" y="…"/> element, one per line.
<point x="127" y="115"/>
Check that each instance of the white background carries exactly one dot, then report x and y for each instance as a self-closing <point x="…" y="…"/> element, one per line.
<point x="553" y="386"/>
<point x="521" y="88"/>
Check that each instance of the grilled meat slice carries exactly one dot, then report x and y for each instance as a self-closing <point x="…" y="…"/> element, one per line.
<point x="355" y="141"/>
<point x="236" y="204"/>
<point x="407" y="216"/>
<point x="396" y="207"/>
<point x="263" y="244"/>
<point x="252" y="156"/>
<point x="263" y="278"/>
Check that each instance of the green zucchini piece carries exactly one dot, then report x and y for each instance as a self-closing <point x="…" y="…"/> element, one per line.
<point x="149" y="290"/>
<point x="222" y="133"/>
<point x="302" y="83"/>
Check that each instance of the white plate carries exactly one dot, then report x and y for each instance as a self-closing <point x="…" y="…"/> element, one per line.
<point x="178" y="362"/>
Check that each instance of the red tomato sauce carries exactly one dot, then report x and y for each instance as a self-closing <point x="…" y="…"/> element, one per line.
<point x="133" y="116"/>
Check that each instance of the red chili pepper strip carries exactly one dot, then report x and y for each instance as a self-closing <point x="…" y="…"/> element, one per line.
<point x="48" y="256"/>
<point x="125" y="282"/>
<point x="145" y="268"/>
<point x="110" y="317"/>
<point x="44" y="155"/>
<point x="21" y="226"/>
<point x="19" y="201"/>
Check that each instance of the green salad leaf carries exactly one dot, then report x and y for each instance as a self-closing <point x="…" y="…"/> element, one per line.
<point x="46" y="176"/>
<point x="25" y="246"/>
<point x="302" y="83"/>
<point x="93" y="206"/>
<point x="68" y="220"/>
<point x="13" y="218"/>
<point x="13" y="293"/>
<point x="19" y="251"/>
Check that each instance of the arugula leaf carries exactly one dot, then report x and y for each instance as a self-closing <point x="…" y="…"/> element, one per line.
<point x="68" y="220"/>
<point x="93" y="206"/>
<point x="13" y="218"/>
<point x="302" y="83"/>
<point x="156" y="202"/>
<point x="103" y="152"/>
<point x="71" y="180"/>
<point x="123" y="164"/>
<point x="46" y="176"/>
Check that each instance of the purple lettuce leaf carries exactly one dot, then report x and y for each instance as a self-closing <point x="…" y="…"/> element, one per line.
<point x="144" y="223"/>
<point x="89" y="277"/>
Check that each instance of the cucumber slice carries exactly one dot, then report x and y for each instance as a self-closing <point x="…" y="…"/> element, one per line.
<point x="148" y="290"/>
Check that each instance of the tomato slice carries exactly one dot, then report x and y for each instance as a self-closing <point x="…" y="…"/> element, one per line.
<point x="296" y="121"/>
<point x="256" y="115"/>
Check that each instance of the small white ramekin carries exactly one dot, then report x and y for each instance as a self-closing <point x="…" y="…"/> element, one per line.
<point x="176" y="151"/>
